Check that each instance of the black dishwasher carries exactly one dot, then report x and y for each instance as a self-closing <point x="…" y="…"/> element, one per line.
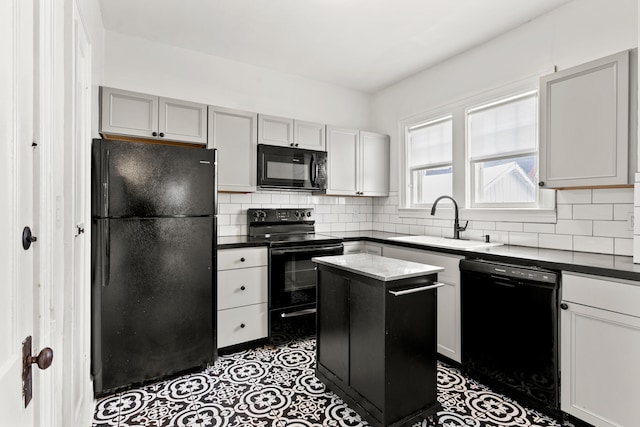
<point x="510" y="330"/>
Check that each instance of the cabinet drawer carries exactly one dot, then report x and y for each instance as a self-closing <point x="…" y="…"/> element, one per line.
<point x="621" y="296"/>
<point x="241" y="258"/>
<point x="244" y="286"/>
<point x="242" y="324"/>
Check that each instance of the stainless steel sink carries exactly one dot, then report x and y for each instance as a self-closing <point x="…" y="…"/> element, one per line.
<point x="444" y="242"/>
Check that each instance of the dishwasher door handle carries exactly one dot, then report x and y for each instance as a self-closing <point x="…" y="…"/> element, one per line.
<point x="414" y="290"/>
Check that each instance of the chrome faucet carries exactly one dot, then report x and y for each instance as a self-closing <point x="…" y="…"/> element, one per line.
<point x="456" y="224"/>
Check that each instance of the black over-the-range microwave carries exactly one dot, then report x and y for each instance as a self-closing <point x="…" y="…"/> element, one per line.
<point x="291" y="168"/>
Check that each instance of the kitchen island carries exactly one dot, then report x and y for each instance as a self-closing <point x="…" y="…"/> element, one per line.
<point x="376" y="336"/>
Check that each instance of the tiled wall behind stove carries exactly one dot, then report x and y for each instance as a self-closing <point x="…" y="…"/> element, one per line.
<point x="589" y="220"/>
<point x="333" y="214"/>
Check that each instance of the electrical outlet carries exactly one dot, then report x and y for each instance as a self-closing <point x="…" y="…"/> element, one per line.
<point x="630" y="221"/>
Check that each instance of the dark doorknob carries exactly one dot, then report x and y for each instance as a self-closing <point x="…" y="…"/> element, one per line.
<point x="541" y="184"/>
<point x="43" y="359"/>
<point x="27" y="238"/>
<point x="564" y="306"/>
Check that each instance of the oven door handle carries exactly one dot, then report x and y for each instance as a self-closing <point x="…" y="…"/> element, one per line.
<point x="313" y="251"/>
<point x="298" y="313"/>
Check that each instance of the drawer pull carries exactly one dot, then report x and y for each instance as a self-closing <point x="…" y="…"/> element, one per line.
<point x="242" y="325"/>
<point x="242" y="259"/>
<point x="298" y="313"/>
<point x="242" y="288"/>
<point x="414" y="290"/>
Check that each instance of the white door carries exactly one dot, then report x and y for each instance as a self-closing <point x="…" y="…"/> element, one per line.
<point x="16" y="199"/>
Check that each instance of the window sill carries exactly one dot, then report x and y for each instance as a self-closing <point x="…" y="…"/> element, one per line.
<point x="543" y="216"/>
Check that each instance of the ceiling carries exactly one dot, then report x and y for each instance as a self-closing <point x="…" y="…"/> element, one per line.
<point x="365" y="45"/>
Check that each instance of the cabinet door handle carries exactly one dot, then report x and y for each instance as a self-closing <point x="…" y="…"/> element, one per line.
<point x="242" y="288"/>
<point x="414" y="290"/>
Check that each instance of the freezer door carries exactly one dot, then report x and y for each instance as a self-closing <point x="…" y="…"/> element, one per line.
<point x="153" y="310"/>
<point x="133" y="179"/>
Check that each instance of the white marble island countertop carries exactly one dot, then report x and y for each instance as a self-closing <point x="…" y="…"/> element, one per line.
<point x="378" y="267"/>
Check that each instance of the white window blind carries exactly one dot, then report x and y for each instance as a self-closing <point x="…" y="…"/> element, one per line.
<point x="429" y="160"/>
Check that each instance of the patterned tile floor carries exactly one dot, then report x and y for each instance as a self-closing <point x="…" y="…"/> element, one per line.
<point x="275" y="386"/>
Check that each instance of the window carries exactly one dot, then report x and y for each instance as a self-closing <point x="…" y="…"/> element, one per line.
<point x="502" y="150"/>
<point x="481" y="150"/>
<point x="429" y="160"/>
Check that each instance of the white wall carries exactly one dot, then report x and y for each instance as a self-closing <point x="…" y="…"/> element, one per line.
<point x="578" y="32"/>
<point x="139" y="65"/>
<point x="575" y="33"/>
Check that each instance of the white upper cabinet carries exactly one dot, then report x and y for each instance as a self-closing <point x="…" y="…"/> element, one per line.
<point x="584" y="124"/>
<point x="309" y="135"/>
<point x="374" y="167"/>
<point x="128" y="113"/>
<point x="273" y="130"/>
<point x="148" y="116"/>
<point x="343" y="151"/>
<point x="358" y="162"/>
<point x="182" y="121"/>
<point x="234" y="134"/>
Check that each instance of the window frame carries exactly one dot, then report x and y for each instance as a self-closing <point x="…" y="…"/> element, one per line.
<point x="470" y="162"/>
<point x="545" y="212"/>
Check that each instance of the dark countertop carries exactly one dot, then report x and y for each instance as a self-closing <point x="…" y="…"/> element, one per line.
<point x="616" y="266"/>
<point x="232" y="242"/>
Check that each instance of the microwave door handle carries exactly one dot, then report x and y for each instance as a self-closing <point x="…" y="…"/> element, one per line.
<point x="313" y="166"/>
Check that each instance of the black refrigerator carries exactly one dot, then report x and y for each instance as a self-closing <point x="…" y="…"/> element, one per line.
<point x="153" y="296"/>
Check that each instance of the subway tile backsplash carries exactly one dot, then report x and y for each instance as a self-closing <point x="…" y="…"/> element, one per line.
<point x="589" y="220"/>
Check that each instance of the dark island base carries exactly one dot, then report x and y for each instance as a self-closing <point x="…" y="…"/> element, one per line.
<point x="367" y="411"/>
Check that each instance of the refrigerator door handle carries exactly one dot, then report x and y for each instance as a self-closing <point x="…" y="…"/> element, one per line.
<point x="106" y="254"/>
<point x="215" y="181"/>
<point x="105" y="183"/>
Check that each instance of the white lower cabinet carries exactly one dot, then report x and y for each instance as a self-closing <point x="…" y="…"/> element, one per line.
<point x="449" y="327"/>
<point x="242" y="295"/>
<point x="600" y="350"/>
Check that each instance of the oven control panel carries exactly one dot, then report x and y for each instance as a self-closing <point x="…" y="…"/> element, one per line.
<point x="282" y="215"/>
